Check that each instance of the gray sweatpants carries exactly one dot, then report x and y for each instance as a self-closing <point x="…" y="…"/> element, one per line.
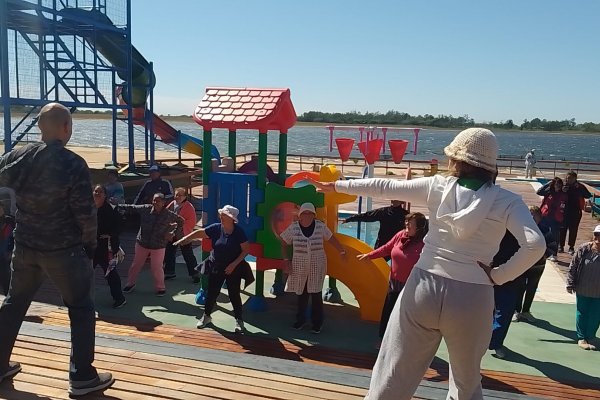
<point x="430" y="308"/>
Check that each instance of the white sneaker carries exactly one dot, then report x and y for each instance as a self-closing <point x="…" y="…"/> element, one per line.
<point x="552" y="259"/>
<point x="239" y="326"/>
<point x="516" y="317"/>
<point x="204" y="322"/>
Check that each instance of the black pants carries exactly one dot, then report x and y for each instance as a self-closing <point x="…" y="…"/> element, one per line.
<point x="4" y="275"/>
<point x="316" y="310"/>
<point x="215" y="283"/>
<point x="528" y="286"/>
<point x="188" y="255"/>
<point x="388" y="305"/>
<point x="113" y="279"/>
<point x="571" y="224"/>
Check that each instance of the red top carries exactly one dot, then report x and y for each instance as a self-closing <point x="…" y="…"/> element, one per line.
<point x="405" y="253"/>
<point x="553" y="206"/>
<point x="245" y="108"/>
<point x="188" y="213"/>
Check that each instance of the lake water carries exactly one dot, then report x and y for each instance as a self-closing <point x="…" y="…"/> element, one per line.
<point x="315" y="141"/>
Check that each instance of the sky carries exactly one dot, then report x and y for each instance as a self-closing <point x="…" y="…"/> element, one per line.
<point x="491" y="60"/>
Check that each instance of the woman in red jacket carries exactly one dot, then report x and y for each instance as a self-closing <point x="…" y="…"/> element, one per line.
<point x="553" y="208"/>
<point x="405" y="249"/>
<point x="182" y="207"/>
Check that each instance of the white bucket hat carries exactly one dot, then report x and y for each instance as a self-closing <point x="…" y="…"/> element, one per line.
<point x="597" y="229"/>
<point x="307" y="207"/>
<point x="475" y="146"/>
<point x="230" y="211"/>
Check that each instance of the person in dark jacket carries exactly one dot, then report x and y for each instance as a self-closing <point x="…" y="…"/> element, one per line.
<point x="577" y="193"/>
<point x="152" y="186"/>
<point x="157" y="228"/>
<point x="390" y="218"/>
<point x="107" y="257"/>
<point x="55" y="236"/>
<point x="553" y="208"/>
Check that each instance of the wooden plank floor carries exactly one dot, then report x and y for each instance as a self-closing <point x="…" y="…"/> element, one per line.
<point x="535" y="386"/>
<point x="150" y="376"/>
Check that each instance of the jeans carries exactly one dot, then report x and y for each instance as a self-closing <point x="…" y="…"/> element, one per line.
<point x="316" y="311"/>
<point x="72" y="273"/>
<point x="188" y="255"/>
<point x="505" y="303"/>
<point x="529" y="282"/>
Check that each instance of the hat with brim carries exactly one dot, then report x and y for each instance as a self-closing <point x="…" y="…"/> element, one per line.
<point x="597" y="229"/>
<point x="230" y="211"/>
<point x="307" y="207"/>
<point x="154" y="168"/>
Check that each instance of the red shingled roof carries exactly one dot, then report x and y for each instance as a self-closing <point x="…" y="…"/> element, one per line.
<point x="246" y="108"/>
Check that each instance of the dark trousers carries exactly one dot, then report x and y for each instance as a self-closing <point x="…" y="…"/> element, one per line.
<point x="571" y="224"/>
<point x="388" y="306"/>
<point x="215" y="283"/>
<point x="72" y="273"/>
<point x="316" y="311"/>
<point x="188" y="255"/>
<point x="505" y="303"/>
<point x="113" y="279"/>
<point x="528" y="286"/>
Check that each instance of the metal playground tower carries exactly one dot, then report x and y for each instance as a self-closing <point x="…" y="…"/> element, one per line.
<point x="77" y="52"/>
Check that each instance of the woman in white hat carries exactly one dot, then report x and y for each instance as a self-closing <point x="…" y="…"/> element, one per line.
<point x="229" y="248"/>
<point x="309" y="263"/>
<point x="584" y="280"/>
<point x="449" y="294"/>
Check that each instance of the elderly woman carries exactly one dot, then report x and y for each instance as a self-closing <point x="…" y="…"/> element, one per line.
<point x="584" y="281"/>
<point x="182" y="207"/>
<point x="157" y="227"/>
<point x="404" y="249"/>
<point x="449" y="294"/>
<point x="108" y="234"/>
<point x="309" y="263"/>
<point x="229" y="248"/>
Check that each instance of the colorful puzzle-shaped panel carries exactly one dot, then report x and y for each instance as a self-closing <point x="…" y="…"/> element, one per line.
<point x="276" y="209"/>
<point x="240" y="191"/>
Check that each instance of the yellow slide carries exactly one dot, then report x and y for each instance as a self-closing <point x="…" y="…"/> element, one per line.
<point x="367" y="279"/>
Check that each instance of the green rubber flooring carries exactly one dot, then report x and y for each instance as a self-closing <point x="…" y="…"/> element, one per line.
<point x="544" y="348"/>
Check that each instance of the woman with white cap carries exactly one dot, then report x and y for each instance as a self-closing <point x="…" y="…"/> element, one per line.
<point x="229" y="248"/>
<point x="309" y="263"/>
<point x="449" y="293"/>
<point x="584" y="280"/>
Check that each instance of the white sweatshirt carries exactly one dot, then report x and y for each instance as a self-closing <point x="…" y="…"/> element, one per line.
<point x="465" y="226"/>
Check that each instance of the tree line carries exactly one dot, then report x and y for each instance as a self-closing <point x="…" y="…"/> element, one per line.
<point x="442" y="121"/>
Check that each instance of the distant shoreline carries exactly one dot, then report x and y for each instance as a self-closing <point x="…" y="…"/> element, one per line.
<point x="86" y="116"/>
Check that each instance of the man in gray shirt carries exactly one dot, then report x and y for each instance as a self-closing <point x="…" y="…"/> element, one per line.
<point x="55" y="237"/>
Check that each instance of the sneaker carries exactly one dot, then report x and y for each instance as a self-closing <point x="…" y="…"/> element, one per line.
<point x="571" y="251"/>
<point x="527" y="316"/>
<point x="128" y="288"/>
<point x="119" y="303"/>
<point x="316" y="330"/>
<point x="585" y="345"/>
<point x="239" y="326"/>
<point x="161" y="293"/>
<point x="13" y="369"/>
<point x="81" y="388"/>
<point x="204" y="322"/>
<point x="195" y="278"/>
<point x="500" y="353"/>
<point x="170" y="276"/>
<point x="552" y="258"/>
<point x="517" y="317"/>
<point x="298" y="325"/>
